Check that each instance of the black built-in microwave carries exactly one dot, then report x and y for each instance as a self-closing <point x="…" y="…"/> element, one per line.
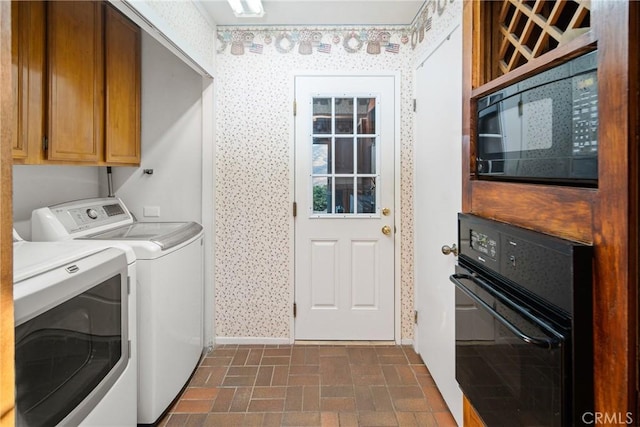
<point x="542" y="129"/>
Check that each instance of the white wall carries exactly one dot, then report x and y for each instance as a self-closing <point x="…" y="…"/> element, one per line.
<point x="171" y="140"/>
<point x="39" y="186"/>
<point x="174" y="102"/>
<point x="181" y="26"/>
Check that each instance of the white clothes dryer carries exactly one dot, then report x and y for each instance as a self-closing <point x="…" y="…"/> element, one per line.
<point x="171" y="286"/>
<point x="75" y="334"/>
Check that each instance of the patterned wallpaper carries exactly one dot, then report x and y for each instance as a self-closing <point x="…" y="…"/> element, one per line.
<point x="253" y="195"/>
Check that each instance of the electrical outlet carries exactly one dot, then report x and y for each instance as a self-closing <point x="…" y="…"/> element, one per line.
<point x="151" y="211"/>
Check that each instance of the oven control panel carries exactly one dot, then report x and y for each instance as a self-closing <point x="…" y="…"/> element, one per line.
<point x="481" y="244"/>
<point x="484" y="243"/>
<point x="538" y="263"/>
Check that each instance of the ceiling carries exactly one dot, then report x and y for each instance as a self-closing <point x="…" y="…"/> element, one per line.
<point x="318" y="12"/>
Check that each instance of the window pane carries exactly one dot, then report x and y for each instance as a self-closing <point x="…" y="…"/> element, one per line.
<point x="344" y="155"/>
<point x="344" y="195"/>
<point x="366" y="115"/>
<point x="344" y="115"/>
<point x="366" y="195"/>
<point x="321" y="155"/>
<point x="321" y="195"/>
<point x="367" y="155"/>
<point x="322" y="115"/>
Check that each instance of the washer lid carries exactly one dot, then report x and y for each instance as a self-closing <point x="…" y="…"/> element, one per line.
<point x="34" y="258"/>
<point x="164" y="234"/>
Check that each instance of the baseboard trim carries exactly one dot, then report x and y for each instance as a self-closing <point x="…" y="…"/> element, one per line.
<point x="288" y="341"/>
<point x="349" y="343"/>
<point x="251" y="341"/>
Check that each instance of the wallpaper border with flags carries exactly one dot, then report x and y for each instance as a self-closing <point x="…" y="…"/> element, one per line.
<point x="325" y="40"/>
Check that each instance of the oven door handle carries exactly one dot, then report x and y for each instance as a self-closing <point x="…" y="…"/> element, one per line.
<point x="548" y="343"/>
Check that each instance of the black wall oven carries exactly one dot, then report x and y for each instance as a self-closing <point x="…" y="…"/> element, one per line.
<point x="524" y="347"/>
<point x="71" y="338"/>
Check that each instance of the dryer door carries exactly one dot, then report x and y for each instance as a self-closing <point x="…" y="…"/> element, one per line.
<point x="71" y="338"/>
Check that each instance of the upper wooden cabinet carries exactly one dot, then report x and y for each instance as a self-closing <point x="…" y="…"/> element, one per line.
<point x="87" y="105"/>
<point x="76" y="81"/>
<point x="28" y="72"/>
<point x="122" y="53"/>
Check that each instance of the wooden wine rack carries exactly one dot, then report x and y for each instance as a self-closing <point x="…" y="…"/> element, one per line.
<point x="528" y="29"/>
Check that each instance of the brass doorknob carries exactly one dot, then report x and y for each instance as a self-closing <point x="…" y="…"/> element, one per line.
<point x="386" y="230"/>
<point x="450" y="250"/>
<point x="386" y="211"/>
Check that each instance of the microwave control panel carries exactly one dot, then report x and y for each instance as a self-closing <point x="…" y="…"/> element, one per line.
<point x="585" y="114"/>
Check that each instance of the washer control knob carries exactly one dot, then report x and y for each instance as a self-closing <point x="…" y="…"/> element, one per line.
<point x="92" y="213"/>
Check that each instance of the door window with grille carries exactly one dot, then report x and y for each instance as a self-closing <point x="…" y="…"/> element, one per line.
<point x="345" y="154"/>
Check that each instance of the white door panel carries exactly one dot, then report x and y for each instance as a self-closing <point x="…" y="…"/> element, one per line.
<point x="344" y="264"/>
<point x="437" y="202"/>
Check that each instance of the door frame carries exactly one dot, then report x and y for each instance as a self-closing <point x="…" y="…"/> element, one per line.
<point x="396" y="188"/>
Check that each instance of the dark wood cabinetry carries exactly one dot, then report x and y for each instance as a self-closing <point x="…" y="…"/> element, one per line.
<point x="606" y="216"/>
<point x="77" y="69"/>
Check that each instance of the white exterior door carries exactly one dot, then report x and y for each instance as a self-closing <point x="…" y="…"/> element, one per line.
<point x="437" y="201"/>
<point x="344" y="187"/>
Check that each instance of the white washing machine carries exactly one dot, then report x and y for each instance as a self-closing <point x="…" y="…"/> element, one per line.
<point x="75" y="316"/>
<point x="170" y="289"/>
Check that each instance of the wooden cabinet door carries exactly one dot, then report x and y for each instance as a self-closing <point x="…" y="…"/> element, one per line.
<point x="76" y="81"/>
<point x="122" y="64"/>
<point x="28" y="68"/>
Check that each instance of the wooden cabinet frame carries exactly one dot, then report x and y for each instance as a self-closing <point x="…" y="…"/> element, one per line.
<point x="607" y="216"/>
<point x="7" y="129"/>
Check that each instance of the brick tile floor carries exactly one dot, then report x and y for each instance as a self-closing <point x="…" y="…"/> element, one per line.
<point x="310" y="385"/>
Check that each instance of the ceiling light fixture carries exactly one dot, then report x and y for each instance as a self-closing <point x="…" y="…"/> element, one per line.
<point x="247" y="8"/>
